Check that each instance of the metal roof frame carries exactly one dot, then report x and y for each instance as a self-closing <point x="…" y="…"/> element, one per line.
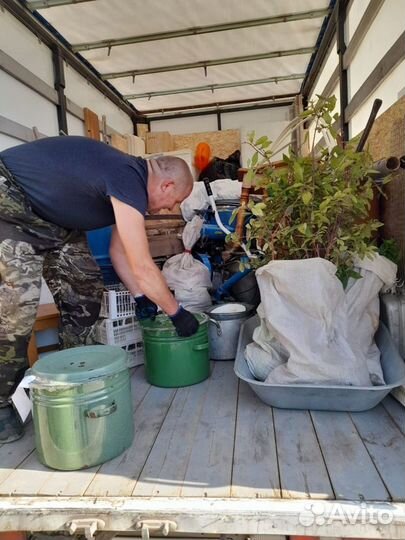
<point x="204" y="64"/>
<point x="213" y="87"/>
<point x="288" y="17"/>
<point x="33" y="5"/>
<point x="218" y="110"/>
<point x="251" y="101"/>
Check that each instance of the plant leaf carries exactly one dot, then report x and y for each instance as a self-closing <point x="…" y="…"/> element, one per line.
<point x="298" y="172"/>
<point x="306" y="197"/>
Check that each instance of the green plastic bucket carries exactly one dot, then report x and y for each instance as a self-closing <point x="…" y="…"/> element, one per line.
<point x="82" y="406"/>
<point x="171" y="361"/>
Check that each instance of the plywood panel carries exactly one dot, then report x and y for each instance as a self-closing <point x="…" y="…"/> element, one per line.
<point x="92" y="125"/>
<point x="119" y="142"/>
<point x="387" y="138"/>
<point x="222" y="143"/>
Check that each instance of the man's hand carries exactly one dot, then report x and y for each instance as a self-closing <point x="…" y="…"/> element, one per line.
<point x="145" y="308"/>
<point x="185" y="323"/>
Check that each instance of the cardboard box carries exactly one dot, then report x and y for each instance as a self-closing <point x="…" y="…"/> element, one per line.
<point x="158" y="141"/>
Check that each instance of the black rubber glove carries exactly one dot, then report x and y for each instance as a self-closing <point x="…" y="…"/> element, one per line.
<point x="145" y="308"/>
<point x="185" y="323"/>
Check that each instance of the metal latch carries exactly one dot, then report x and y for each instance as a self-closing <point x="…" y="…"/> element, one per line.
<point x="87" y="526"/>
<point x="148" y="525"/>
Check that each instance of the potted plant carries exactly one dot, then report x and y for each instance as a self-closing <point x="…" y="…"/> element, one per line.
<point x="319" y="271"/>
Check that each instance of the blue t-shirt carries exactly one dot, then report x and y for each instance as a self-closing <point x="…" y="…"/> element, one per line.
<point x="69" y="180"/>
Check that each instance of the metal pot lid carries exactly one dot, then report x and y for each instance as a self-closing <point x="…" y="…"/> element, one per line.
<point x="230" y="311"/>
<point x="163" y="326"/>
<point x="81" y="364"/>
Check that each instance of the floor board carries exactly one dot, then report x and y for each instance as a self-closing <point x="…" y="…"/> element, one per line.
<point x="217" y="439"/>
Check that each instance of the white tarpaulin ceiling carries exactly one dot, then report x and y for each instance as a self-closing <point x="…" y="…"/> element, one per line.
<point x="91" y="26"/>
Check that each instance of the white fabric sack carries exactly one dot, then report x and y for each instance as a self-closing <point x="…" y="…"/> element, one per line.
<point x="265" y="352"/>
<point x="198" y="199"/>
<point x="363" y="309"/>
<point x="189" y="278"/>
<point x="308" y="312"/>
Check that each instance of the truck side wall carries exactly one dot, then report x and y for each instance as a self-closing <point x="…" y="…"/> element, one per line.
<point x="387" y="26"/>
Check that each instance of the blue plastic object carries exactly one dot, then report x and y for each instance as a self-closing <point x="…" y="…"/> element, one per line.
<point x="225" y="288"/>
<point x="99" y="243"/>
<point x="324" y="397"/>
<point x="206" y="260"/>
<point x="210" y="228"/>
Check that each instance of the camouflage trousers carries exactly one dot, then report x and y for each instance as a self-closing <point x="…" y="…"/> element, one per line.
<point x="30" y="248"/>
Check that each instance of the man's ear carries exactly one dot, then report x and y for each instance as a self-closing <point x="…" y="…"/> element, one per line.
<point x="166" y="185"/>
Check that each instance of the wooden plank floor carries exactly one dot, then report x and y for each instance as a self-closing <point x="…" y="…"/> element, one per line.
<point x="217" y="439"/>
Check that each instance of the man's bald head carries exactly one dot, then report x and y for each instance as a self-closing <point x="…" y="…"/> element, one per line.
<point x="169" y="182"/>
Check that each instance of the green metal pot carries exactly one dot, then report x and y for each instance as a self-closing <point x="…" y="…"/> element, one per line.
<point x="82" y="407"/>
<point x="171" y="361"/>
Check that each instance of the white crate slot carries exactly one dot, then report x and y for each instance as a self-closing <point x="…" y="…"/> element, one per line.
<point x="135" y="354"/>
<point x="118" y="331"/>
<point x="117" y="303"/>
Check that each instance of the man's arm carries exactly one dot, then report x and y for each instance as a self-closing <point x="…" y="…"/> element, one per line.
<point x="138" y="271"/>
<point x="121" y="263"/>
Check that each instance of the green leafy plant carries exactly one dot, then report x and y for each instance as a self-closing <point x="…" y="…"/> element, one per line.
<point x="313" y="205"/>
<point x="391" y="250"/>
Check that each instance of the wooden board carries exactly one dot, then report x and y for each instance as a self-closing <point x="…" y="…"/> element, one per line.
<point x="91" y="124"/>
<point x="222" y="143"/>
<point x="166" y="466"/>
<point x="210" y="465"/>
<point x="142" y="130"/>
<point x="303" y="473"/>
<point x="386" y="446"/>
<point x="255" y="469"/>
<point x="119" y="142"/>
<point x="118" y="476"/>
<point x="351" y="470"/>
<point x="396" y="411"/>
<point x="165" y="245"/>
<point x="12" y="455"/>
<point x="213" y="440"/>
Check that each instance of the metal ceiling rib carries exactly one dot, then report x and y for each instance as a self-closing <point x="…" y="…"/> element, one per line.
<point x="43" y="4"/>
<point x="213" y="87"/>
<point x="173" y="54"/>
<point x="288" y="17"/>
<point x="207" y="63"/>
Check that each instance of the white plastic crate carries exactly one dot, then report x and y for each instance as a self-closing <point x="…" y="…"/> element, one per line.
<point x="118" y="331"/>
<point x="135" y="354"/>
<point x="117" y="302"/>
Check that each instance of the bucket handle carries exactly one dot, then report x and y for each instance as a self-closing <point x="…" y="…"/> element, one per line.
<point x="219" y="329"/>
<point x="201" y="347"/>
<point x="99" y="412"/>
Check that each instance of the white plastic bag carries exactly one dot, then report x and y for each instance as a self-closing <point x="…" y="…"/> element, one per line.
<point x="189" y="278"/>
<point x="198" y="199"/>
<point x="328" y="332"/>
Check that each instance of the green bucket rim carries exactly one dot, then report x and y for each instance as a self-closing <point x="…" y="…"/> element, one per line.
<point x="162" y="326"/>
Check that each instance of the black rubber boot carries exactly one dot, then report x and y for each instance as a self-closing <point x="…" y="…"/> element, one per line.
<point x="11" y="428"/>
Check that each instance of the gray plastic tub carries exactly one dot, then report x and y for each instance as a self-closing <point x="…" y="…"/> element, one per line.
<point x="322" y="397"/>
